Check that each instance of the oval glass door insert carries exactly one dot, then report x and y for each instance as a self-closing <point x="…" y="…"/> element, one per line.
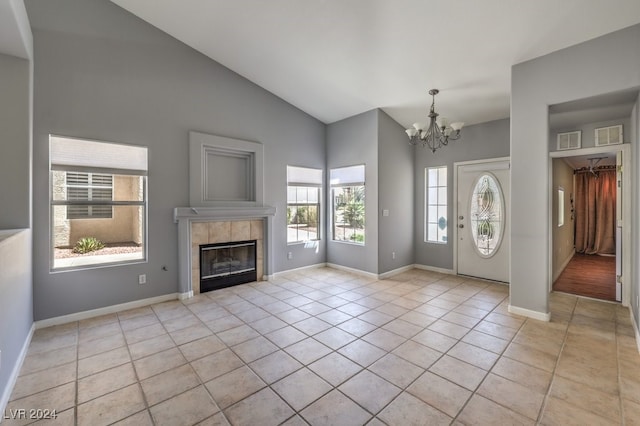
<point x="486" y="211"/>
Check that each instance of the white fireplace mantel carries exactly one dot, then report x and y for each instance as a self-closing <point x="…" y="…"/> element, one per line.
<point x="185" y="216"/>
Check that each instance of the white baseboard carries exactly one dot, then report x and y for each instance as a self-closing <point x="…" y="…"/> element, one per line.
<point x="187" y="295"/>
<point x="435" y="269"/>
<point x="540" y="316"/>
<point x="396" y="271"/>
<point x="635" y="328"/>
<point x="302" y="268"/>
<point x="64" y="319"/>
<point x="13" y="378"/>
<point x="353" y="270"/>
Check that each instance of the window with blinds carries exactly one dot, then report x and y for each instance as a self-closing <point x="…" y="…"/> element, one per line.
<point x="304" y="192"/>
<point x="98" y="192"/>
<point x="348" y="204"/>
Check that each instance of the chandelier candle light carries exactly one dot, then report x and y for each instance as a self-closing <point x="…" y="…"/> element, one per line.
<point x="438" y="132"/>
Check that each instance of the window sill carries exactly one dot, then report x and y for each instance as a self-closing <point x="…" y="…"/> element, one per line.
<point x="94" y="262"/>
<point x="348" y="243"/>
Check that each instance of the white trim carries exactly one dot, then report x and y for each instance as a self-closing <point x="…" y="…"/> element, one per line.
<point x="187" y="295"/>
<point x="352" y="270"/>
<point x="435" y="269"/>
<point x="396" y="271"/>
<point x="13" y="377"/>
<point x="625" y="148"/>
<point x="635" y="328"/>
<point x="540" y="316"/>
<point x="302" y="268"/>
<point x="78" y="316"/>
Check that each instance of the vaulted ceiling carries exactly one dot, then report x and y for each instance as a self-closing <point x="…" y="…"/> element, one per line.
<point x="336" y="58"/>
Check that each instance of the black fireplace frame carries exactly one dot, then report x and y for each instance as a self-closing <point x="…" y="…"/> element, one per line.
<point x="232" y="278"/>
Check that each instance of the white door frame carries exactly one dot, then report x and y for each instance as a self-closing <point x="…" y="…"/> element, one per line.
<point x="455" y="201"/>
<point x="625" y="148"/>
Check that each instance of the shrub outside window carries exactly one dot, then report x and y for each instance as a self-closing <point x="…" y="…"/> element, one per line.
<point x="98" y="203"/>
<point x="436" y="204"/>
<point x="304" y="192"/>
<point x="348" y="204"/>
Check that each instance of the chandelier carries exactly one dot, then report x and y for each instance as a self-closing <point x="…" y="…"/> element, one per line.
<point x="438" y="132"/>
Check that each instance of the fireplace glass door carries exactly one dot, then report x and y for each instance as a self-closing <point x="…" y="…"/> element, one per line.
<point x="226" y="264"/>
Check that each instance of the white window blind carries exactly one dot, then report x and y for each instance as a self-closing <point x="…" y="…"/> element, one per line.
<point x="303" y="176"/>
<point x="345" y="176"/>
<point x="84" y="155"/>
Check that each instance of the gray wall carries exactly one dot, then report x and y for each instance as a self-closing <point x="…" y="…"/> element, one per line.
<point x="15" y="146"/>
<point x="588" y="137"/>
<point x="578" y="72"/>
<point x="350" y="142"/>
<point x="480" y="141"/>
<point x="395" y="193"/>
<point x="563" y="236"/>
<point x="635" y="215"/>
<point x="101" y="73"/>
<point x="16" y="308"/>
<point x="16" y="289"/>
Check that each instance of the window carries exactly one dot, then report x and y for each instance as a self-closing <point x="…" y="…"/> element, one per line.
<point x="560" y="206"/>
<point x="348" y="208"/>
<point x="436" y="204"/>
<point x="98" y="203"/>
<point x="304" y="191"/>
<point x="486" y="211"/>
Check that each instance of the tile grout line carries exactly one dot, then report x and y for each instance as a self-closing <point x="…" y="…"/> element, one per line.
<point x="547" y="396"/>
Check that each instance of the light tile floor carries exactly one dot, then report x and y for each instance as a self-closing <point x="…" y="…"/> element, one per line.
<point x="328" y="347"/>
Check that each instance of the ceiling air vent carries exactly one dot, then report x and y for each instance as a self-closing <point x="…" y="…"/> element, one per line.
<point x="569" y="140"/>
<point x="611" y="135"/>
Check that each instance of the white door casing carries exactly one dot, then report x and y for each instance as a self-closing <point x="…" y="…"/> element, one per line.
<point x="623" y="212"/>
<point x="482" y="219"/>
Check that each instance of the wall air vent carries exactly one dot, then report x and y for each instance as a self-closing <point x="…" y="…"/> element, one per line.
<point x="611" y="135"/>
<point x="569" y="140"/>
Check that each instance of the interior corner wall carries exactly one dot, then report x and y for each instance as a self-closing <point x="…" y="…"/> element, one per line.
<point x="15" y="142"/>
<point x="563" y="236"/>
<point x="16" y="306"/>
<point x="101" y="73"/>
<point x="354" y="141"/>
<point x="395" y="193"/>
<point x="577" y="72"/>
<point x="480" y="141"/>
<point x="634" y="279"/>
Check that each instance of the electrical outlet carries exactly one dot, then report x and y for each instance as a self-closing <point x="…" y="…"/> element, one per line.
<point x="142" y="279"/>
<point x="290" y="255"/>
<point x="393" y="254"/>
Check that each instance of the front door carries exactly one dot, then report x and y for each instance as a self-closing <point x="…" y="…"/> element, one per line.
<point x="483" y="219"/>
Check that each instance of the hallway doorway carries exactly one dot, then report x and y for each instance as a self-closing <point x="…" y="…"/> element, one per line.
<point x="587" y="259"/>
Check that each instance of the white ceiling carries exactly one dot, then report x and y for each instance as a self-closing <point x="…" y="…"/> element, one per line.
<point x="337" y="58"/>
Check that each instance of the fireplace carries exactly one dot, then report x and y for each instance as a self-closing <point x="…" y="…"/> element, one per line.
<point x="227" y="264"/>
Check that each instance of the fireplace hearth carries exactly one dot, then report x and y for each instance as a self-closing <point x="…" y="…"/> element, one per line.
<point x="227" y="264"/>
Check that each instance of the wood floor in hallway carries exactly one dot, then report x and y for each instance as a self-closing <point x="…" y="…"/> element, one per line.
<point x="589" y="275"/>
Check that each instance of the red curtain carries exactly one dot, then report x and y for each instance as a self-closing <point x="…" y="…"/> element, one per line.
<point x="596" y="212"/>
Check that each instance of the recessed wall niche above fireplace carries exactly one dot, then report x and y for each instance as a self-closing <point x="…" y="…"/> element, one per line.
<point x="224" y="172"/>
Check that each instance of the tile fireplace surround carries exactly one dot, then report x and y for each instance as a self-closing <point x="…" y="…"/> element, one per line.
<point x="209" y="225"/>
